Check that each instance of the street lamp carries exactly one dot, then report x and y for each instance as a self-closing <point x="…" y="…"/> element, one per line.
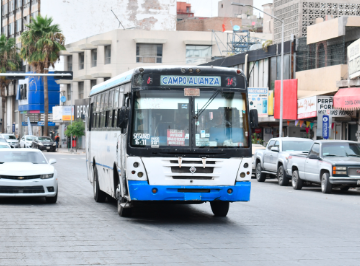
<point x="282" y="62"/>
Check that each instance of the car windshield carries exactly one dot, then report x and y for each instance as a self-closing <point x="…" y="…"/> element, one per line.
<point x="341" y="149"/>
<point x="44" y="139"/>
<point x="2" y="140"/>
<point x="2" y="146"/>
<point x="22" y="156"/>
<point x="30" y="138"/>
<point x="296" y="145"/>
<point x="9" y="137"/>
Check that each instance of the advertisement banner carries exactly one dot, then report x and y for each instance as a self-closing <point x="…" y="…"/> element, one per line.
<point x="63" y="113"/>
<point x="307" y="107"/>
<point x="258" y="99"/>
<point x="325" y="127"/>
<point x="325" y="106"/>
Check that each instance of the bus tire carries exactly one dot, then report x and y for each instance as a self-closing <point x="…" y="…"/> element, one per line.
<point x="99" y="196"/>
<point x="123" y="212"/>
<point x="220" y="208"/>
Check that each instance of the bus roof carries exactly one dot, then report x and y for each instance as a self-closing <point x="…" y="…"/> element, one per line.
<point x="126" y="76"/>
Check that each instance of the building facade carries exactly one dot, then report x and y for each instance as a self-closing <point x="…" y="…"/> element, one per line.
<point x="225" y="9"/>
<point x="183" y="10"/>
<point x="299" y="14"/>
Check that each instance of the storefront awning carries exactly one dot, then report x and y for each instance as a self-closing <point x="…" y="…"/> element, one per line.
<point x="347" y="99"/>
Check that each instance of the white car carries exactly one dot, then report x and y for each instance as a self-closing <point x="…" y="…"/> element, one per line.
<point x="26" y="141"/>
<point x="255" y="147"/>
<point x="27" y="173"/>
<point x="4" y="145"/>
<point x="11" y="139"/>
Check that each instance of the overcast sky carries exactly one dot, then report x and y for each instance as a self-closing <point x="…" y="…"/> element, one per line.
<point x="209" y="8"/>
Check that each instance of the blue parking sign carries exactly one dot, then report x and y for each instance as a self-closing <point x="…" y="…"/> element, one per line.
<point x="326" y="130"/>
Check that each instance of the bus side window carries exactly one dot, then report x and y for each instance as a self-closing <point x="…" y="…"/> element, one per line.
<point x="114" y="118"/>
<point x="107" y="118"/>
<point x="118" y="118"/>
<point x="94" y="121"/>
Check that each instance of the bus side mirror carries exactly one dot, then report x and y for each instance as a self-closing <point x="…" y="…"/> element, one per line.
<point x="254" y="118"/>
<point x="123" y="117"/>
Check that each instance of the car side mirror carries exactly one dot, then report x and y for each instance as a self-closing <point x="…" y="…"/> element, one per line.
<point x="254" y="123"/>
<point x="314" y="157"/>
<point x="274" y="149"/>
<point x="123" y="117"/>
<point x="52" y="161"/>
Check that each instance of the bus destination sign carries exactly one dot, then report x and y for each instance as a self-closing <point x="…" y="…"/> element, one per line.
<point x="190" y="81"/>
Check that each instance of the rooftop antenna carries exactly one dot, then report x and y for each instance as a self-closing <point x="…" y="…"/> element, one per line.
<point x="118" y="20"/>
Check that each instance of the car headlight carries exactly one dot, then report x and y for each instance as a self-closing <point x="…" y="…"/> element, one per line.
<point x="41" y="144"/>
<point x="54" y="144"/>
<point x="339" y="170"/>
<point x="46" y="176"/>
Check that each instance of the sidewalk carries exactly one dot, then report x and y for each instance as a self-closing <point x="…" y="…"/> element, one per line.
<point x="68" y="151"/>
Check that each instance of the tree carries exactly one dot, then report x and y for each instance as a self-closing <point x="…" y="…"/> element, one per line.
<point x="9" y="61"/>
<point x="77" y="129"/>
<point x="41" y="46"/>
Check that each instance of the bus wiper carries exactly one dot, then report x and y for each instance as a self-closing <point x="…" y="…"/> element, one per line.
<point x="1" y="162"/>
<point x="212" y="97"/>
<point x="332" y="155"/>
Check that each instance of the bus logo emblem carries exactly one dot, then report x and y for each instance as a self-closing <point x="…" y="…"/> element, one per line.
<point x="192" y="169"/>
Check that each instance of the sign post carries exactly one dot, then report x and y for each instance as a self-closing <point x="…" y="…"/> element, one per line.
<point x="325" y="127"/>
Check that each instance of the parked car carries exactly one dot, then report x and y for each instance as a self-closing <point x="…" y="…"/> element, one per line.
<point x="27" y="173"/>
<point x="11" y="139"/>
<point x="273" y="160"/>
<point x="331" y="163"/>
<point x="26" y="141"/>
<point x="255" y="147"/>
<point x="4" y="145"/>
<point x="44" y="143"/>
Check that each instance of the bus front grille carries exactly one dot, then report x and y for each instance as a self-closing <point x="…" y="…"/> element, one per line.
<point x="193" y="177"/>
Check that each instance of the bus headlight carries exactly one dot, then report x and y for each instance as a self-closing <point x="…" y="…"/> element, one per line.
<point x="136" y="169"/>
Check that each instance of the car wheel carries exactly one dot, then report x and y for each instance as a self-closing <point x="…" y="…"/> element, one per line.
<point x="326" y="187"/>
<point x="99" y="196"/>
<point x="220" y="208"/>
<point x="296" y="181"/>
<point x="52" y="200"/>
<point x="281" y="175"/>
<point x="260" y="177"/>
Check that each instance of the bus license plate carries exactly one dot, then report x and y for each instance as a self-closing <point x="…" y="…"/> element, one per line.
<point x="48" y="148"/>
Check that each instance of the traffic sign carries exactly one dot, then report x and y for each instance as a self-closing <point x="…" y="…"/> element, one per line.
<point x="63" y="99"/>
<point x="326" y="129"/>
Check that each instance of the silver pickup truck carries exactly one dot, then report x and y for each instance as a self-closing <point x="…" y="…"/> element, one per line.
<point x="273" y="160"/>
<point x="331" y="163"/>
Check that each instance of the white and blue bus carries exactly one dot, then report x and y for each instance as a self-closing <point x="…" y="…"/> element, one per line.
<point x="174" y="134"/>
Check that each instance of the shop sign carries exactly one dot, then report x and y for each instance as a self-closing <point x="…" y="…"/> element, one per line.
<point x="307" y="107"/>
<point x="353" y="52"/>
<point x="63" y="113"/>
<point x="325" y="127"/>
<point x="258" y="99"/>
<point x="257" y="130"/>
<point x="42" y="123"/>
<point x="325" y="106"/>
<point x="81" y="108"/>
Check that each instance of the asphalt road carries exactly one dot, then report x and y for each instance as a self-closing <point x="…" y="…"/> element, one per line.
<point x="279" y="226"/>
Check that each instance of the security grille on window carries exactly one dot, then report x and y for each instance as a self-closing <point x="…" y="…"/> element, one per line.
<point x="197" y="54"/>
<point x="149" y="53"/>
<point x="81" y="90"/>
<point x="81" y="60"/>
<point x="93" y="58"/>
<point x="68" y="92"/>
<point x="108" y="54"/>
<point x="69" y="62"/>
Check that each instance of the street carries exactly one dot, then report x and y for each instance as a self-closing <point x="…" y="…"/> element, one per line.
<point x="279" y="226"/>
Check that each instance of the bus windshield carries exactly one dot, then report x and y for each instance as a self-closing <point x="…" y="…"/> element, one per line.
<point x="162" y="118"/>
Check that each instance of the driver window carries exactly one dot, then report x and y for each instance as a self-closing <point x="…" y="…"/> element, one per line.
<point x="315" y="150"/>
<point x="271" y="144"/>
<point x="277" y="145"/>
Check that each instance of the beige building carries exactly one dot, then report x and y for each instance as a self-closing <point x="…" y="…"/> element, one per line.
<point x="100" y="57"/>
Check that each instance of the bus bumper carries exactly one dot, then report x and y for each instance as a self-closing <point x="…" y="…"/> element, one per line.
<point x="142" y="191"/>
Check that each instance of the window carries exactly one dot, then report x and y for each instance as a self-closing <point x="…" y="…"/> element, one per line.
<point x="18" y="25"/>
<point x="290" y="146"/>
<point x="34" y="14"/>
<point x="4" y="9"/>
<point x="197" y="54"/>
<point x="4" y="31"/>
<point x="22" y="92"/>
<point x="81" y="90"/>
<point x="277" y="144"/>
<point x="93" y="58"/>
<point x="69" y="63"/>
<point x="93" y="83"/>
<point x="81" y="60"/>
<point x="149" y="53"/>
<point x="187" y="9"/>
<point x="108" y="54"/>
<point x="11" y="29"/>
<point x="116" y="98"/>
<point x="11" y="5"/>
<point x="315" y="150"/>
<point x="68" y="92"/>
<point x="111" y="95"/>
<point x="106" y="79"/>
<point x="18" y="3"/>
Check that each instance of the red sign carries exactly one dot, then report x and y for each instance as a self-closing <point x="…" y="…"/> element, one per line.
<point x="175" y="137"/>
<point x="257" y="130"/>
<point x="347" y="99"/>
<point x="289" y="99"/>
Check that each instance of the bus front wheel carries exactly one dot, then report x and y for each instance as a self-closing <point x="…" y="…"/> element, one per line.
<point x="220" y="208"/>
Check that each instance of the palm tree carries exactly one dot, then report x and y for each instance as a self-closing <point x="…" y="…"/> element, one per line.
<point x="9" y="61"/>
<point x="41" y="46"/>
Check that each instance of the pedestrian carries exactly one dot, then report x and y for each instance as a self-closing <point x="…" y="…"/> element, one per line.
<point x="57" y="139"/>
